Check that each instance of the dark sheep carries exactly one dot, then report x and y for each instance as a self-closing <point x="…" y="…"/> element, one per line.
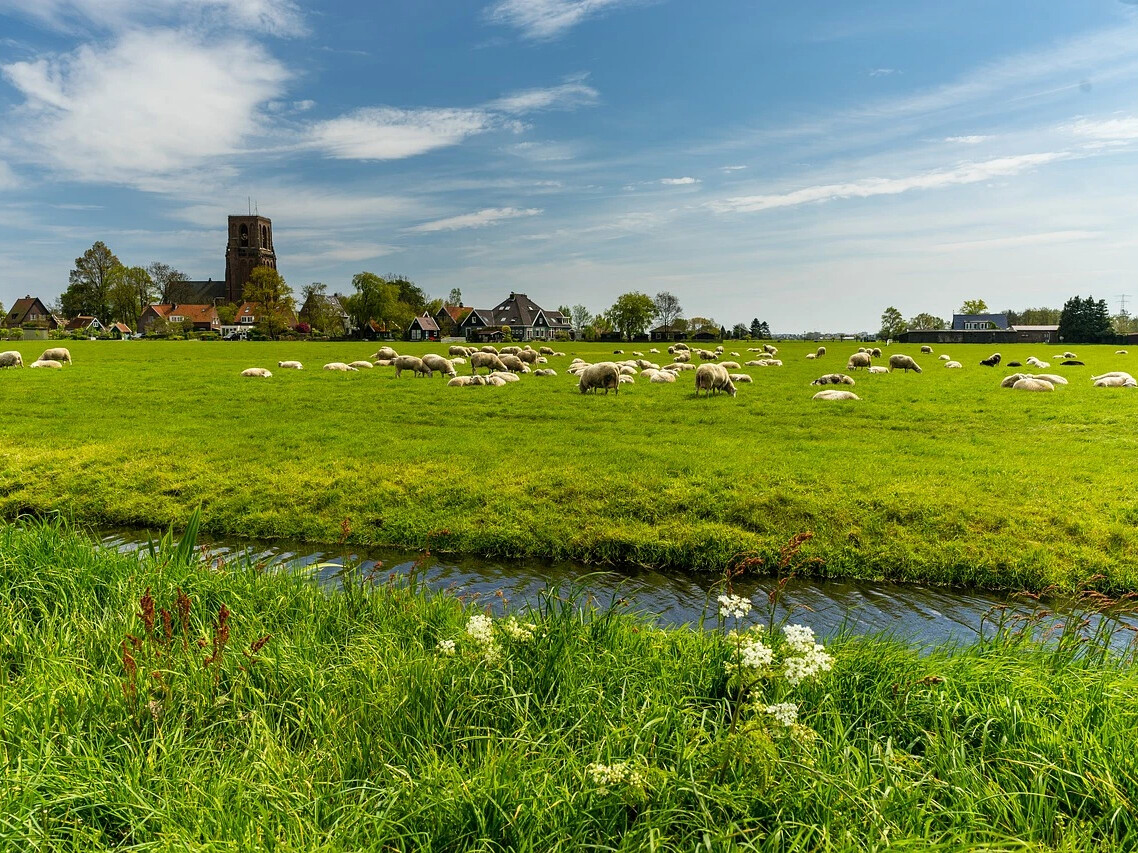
<point x="1073" y="363"/>
<point x="992" y="360"/>
<point x="1015" y="364"/>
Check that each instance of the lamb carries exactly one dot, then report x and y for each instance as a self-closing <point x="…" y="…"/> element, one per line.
<point x="259" y="372"/>
<point x="343" y="368"/>
<point x="902" y="362"/>
<point x="680" y="366"/>
<point x="833" y="379"/>
<point x="1069" y="355"/>
<point x="992" y="360"/>
<point x="618" y="352"/>
<point x="1033" y="384"/>
<point x="858" y="359"/>
<point x="604" y="374"/>
<point x="386" y="353"/>
<point x="52" y="364"/>
<point x="654" y="350"/>
<point x="458" y="359"/>
<point x="437" y="362"/>
<point x="877" y="368"/>
<point x="953" y="365"/>
<point x="361" y="365"/>
<point x="835" y="394"/>
<point x="713" y="378"/>
<point x="11" y="358"/>
<point x="772" y="362"/>
<point x="820" y="352"/>
<point x="509" y="377"/>
<point x="741" y="377"/>
<point x="755" y="363"/>
<point x="488" y="360"/>
<point x="291" y="365"/>
<point x="927" y="349"/>
<point x="412" y="363"/>
<point x="704" y="355"/>
<point x="1116" y="382"/>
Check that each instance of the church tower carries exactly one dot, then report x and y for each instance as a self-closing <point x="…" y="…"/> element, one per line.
<point x="250" y="245"/>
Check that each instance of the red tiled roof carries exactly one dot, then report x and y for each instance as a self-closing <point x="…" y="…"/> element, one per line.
<point x="195" y="313"/>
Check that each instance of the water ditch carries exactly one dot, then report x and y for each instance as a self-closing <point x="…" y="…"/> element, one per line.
<point x="921" y="615"/>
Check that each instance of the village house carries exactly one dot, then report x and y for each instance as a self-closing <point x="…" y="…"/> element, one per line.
<point x="203" y="317"/>
<point x="120" y="331"/>
<point x="84" y="323"/>
<point x="979" y="322"/>
<point x="320" y="309"/>
<point x="449" y="319"/>
<point x="423" y="328"/>
<point x="246" y="317"/>
<point x="526" y="320"/>
<point x="30" y="313"/>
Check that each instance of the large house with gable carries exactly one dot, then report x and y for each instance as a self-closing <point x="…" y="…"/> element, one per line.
<point x="30" y="312"/>
<point x="526" y="320"/>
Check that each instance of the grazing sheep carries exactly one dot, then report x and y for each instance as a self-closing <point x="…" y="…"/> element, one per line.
<point x="835" y="394"/>
<point x="833" y="379"/>
<point x="604" y="374"/>
<point x="1073" y="363"/>
<point x="992" y="360"/>
<point x="713" y="378"/>
<point x="52" y="364"/>
<point x="361" y="365"/>
<point x="412" y="363"/>
<point x="1053" y="379"/>
<point x="875" y="352"/>
<point x="821" y="351"/>
<point x="858" y="359"/>
<point x="663" y="376"/>
<point x="11" y="358"/>
<point x="511" y="350"/>
<point x="927" y="349"/>
<point x="512" y="362"/>
<point x="490" y="348"/>
<point x="1114" y="382"/>
<point x="458" y="350"/>
<point x="437" y="362"/>
<point x="704" y="355"/>
<point x="343" y="368"/>
<point x="953" y="365"/>
<point x="681" y="346"/>
<point x="546" y="350"/>
<point x="63" y="355"/>
<point x="1033" y="384"/>
<point x="730" y="365"/>
<point x="719" y="348"/>
<point x="488" y="360"/>
<point x="292" y="365"/>
<point x="529" y="356"/>
<point x="1120" y="352"/>
<point x="741" y="377"/>
<point x="877" y="368"/>
<point x="943" y="357"/>
<point x="902" y="362"/>
<point x="259" y="372"/>
<point x="385" y="353"/>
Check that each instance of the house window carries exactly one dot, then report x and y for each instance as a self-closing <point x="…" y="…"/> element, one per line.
<point x="416" y="334"/>
<point x="248" y="319"/>
<point x="176" y="318"/>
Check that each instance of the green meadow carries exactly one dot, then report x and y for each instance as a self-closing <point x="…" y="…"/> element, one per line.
<point x="941" y="477"/>
<point x="159" y="702"/>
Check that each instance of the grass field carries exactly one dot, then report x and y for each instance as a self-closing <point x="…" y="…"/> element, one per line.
<point x="941" y="477"/>
<point x="261" y="713"/>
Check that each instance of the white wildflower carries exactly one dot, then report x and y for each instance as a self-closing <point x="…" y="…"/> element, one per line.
<point x="517" y="631"/>
<point x="785" y="713"/>
<point x="481" y="629"/>
<point x="808" y="665"/>
<point x="754" y="654"/>
<point x="734" y="605"/>
<point x="605" y="776"/>
<point x="446" y="648"/>
<point x="799" y="637"/>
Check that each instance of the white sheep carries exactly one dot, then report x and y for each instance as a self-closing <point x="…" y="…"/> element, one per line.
<point x="460" y="381"/>
<point x="361" y="365"/>
<point x="821" y="352"/>
<point x="809" y="355"/>
<point x="291" y="365"/>
<point x="437" y="362"/>
<point x="258" y="372"/>
<point x="833" y="379"/>
<point x="1053" y="379"/>
<point x="1120" y="352"/>
<point x="741" y="377"/>
<point x="877" y="368"/>
<point x="509" y="377"/>
<point x="1116" y="382"/>
<point x="412" y="363"/>
<point x="604" y="375"/>
<point x="385" y="353"/>
<point x="730" y="365"/>
<point x="902" y="362"/>
<point x="625" y="379"/>
<point x="953" y="365"/>
<point x="63" y="355"/>
<point x="11" y="358"/>
<point x="340" y="367"/>
<point x="858" y="359"/>
<point x="713" y="378"/>
<point x="383" y="362"/>
<point x="1033" y="384"/>
<point x="943" y="357"/>
<point x="663" y="376"/>
<point x="49" y="363"/>
<point x="459" y="350"/>
<point x="488" y="360"/>
<point x="835" y="394"/>
<point x="927" y="349"/>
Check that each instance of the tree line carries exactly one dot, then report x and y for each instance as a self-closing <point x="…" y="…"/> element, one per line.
<point x="1079" y="320"/>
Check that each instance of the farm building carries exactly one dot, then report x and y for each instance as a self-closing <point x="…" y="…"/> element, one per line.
<point x="449" y="319"/>
<point x="666" y="333"/>
<point x="526" y="320"/>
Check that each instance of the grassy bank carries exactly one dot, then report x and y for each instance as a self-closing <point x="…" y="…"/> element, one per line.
<point x="261" y="712"/>
<point x="941" y="477"/>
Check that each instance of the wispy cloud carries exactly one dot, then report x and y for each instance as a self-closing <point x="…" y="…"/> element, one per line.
<point x="276" y="17"/>
<point x="1048" y="238"/>
<point x="731" y="168"/>
<point x="479" y="219"/>
<point x="678" y="182"/>
<point x="8" y="179"/>
<point x="572" y="93"/>
<point x="966" y="140"/>
<point x="387" y="133"/>
<point x="1121" y="128"/>
<point x="542" y="20"/>
<point x="965" y="173"/>
<point x="883" y="72"/>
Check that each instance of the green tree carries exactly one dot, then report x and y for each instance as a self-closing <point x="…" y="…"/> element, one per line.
<point x="702" y="324"/>
<point x="170" y="285"/>
<point x="632" y="313"/>
<point x="410" y="294"/>
<point x="927" y="321"/>
<point x="580" y="317"/>
<point x="276" y="308"/>
<point x="454" y="298"/>
<point x="765" y="331"/>
<point x="1085" y="321"/>
<point x="739" y="331"/>
<point x="227" y="314"/>
<point x="667" y="309"/>
<point x="131" y="290"/>
<point x="756" y="329"/>
<point x="892" y="323"/>
<point x="378" y="299"/>
<point x="974" y="306"/>
<point x="88" y="288"/>
<point x="1122" y="322"/>
<point x="314" y="308"/>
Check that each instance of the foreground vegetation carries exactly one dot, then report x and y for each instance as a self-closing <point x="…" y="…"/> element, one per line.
<point x="163" y="702"/>
<point x="941" y="477"/>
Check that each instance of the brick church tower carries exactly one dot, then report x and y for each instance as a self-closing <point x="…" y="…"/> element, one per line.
<point x="250" y="245"/>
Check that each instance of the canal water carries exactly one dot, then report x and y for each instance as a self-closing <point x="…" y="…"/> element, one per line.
<point x="918" y="614"/>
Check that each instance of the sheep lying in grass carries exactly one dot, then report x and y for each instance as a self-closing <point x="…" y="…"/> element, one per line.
<point x="835" y="394"/>
<point x="991" y="361"/>
<point x="63" y="355"/>
<point x="1072" y="363"/>
<point x="258" y="372"/>
<point x="1121" y="373"/>
<point x="412" y="363"/>
<point x="809" y="355"/>
<point x="1033" y="384"/>
<point x="1069" y="355"/>
<point x="625" y="379"/>
<point x="291" y="365"/>
<point x="1012" y="379"/>
<point x="741" y="377"/>
<point x="897" y="361"/>
<point x="713" y="378"/>
<point x="1116" y="382"/>
<point x="953" y="365"/>
<point x="1120" y="352"/>
<point x="730" y="365"/>
<point x="496" y="379"/>
<point x="833" y="379"/>
<point x="340" y="367"/>
<point x="877" y="368"/>
<point x="361" y="365"/>
<point x="943" y="357"/>
<point x="663" y="376"/>
<point x="1052" y="378"/>
<point x="11" y="358"/>
<point x="858" y="360"/>
<point x="386" y="353"/>
<point x="773" y="350"/>
<point x="52" y="364"/>
<point x="545" y="372"/>
<point x="383" y="362"/>
<point x="604" y="375"/>
<point x="437" y="362"/>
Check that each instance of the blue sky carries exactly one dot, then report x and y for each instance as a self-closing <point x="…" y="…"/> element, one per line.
<point x="807" y="163"/>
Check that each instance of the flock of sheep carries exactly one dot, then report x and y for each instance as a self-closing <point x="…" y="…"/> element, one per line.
<point x="52" y="359"/>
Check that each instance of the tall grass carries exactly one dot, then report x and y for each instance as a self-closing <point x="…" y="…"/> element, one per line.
<point x="161" y="702"/>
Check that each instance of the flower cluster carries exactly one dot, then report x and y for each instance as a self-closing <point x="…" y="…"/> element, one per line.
<point x="784" y="713"/>
<point x="807" y="665"/>
<point x="480" y="628"/>
<point x="517" y="631"/>
<point x="799" y="637"/>
<point x="734" y="605"/>
<point x="605" y="776"/>
<point x="446" y="648"/>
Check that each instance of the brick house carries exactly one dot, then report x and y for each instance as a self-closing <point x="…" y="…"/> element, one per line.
<point x="203" y="317"/>
<point x="31" y="312"/>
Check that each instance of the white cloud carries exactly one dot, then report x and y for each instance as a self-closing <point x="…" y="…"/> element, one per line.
<point x="572" y="93"/>
<point x="678" y="182"/>
<point x="8" y="179"/>
<point x="151" y="103"/>
<point x="964" y="173"/>
<point x="1047" y="238"/>
<point x="731" y="168"/>
<point x="336" y="252"/>
<point x="966" y="140"/>
<point x="1114" y="129"/>
<point x="479" y="219"/>
<point x="548" y="19"/>
<point x="387" y="133"/>
<point x="277" y="17"/>
<point x="883" y="72"/>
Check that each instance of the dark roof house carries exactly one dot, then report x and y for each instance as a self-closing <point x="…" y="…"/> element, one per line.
<point x="30" y="311"/>
<point x="978" y="322"/>
<point x="83" y="323"/>
<point x="423" y="328"/>
<point x="525" y="318"/>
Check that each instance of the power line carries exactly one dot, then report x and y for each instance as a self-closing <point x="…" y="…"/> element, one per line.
<point x="1122" y="297"/>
